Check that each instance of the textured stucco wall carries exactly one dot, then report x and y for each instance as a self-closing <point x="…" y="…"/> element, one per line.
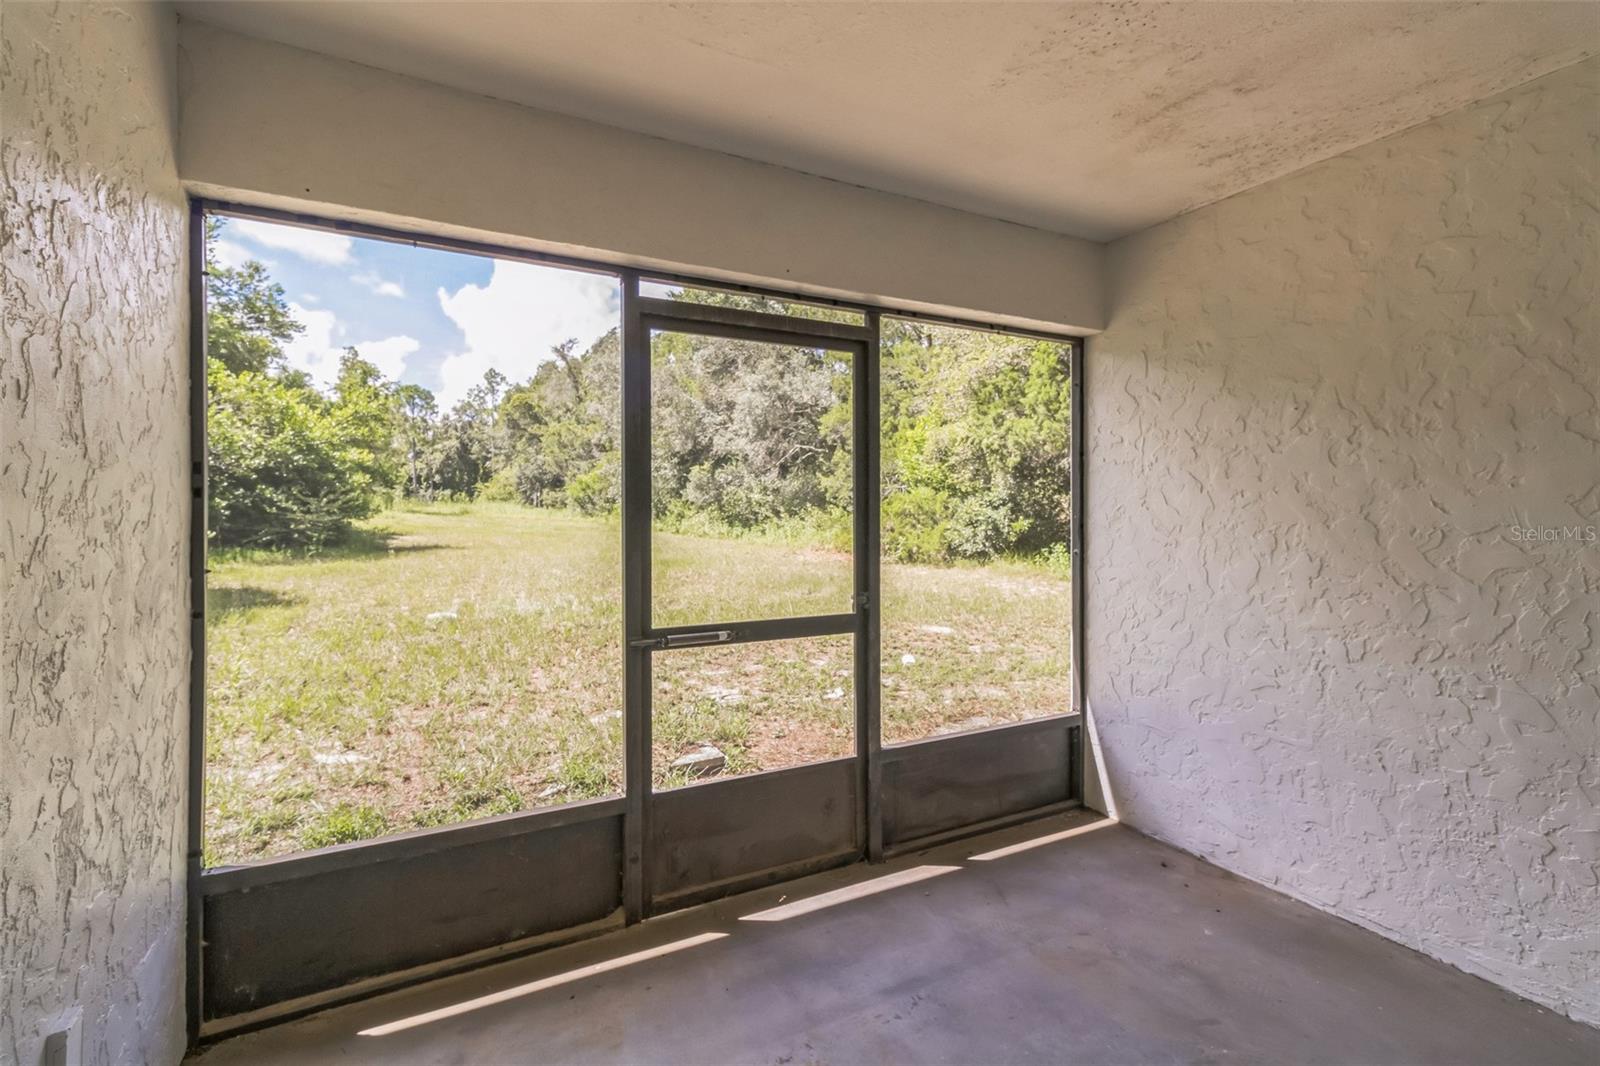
<point x="93" y="526"/>
<point x="1319" y="654"/>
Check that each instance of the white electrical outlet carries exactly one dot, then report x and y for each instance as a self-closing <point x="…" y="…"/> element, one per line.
<point x="63" y="1041"/>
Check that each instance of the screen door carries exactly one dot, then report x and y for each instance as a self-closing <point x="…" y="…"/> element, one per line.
<point x="744" y="523"/>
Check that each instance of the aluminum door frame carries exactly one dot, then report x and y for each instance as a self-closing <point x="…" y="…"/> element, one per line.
<point x="733" y="855"/>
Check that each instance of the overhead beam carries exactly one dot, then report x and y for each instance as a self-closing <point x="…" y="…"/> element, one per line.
<point x="277" y="126"/>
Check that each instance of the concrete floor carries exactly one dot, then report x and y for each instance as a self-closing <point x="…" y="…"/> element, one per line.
<point x="1101" y="947"/>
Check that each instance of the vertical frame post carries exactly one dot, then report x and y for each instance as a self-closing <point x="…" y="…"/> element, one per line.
<point x="869" y="734"/>
<point x="1077" y="571"/>
<point x="636" y="741"/>
<point x="193" y="919"/>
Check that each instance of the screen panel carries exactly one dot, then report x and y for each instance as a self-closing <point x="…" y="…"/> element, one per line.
<point x="411" y="608"/>
<point x="727" y="711"/>
<point x="751" y="479"/>
<point x="975" y="432"/>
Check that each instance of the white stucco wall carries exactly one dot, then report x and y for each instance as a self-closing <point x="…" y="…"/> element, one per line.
<point x="1320" y="655"/>
<point x="93" y="529"/>
<point x="283" y="127"/>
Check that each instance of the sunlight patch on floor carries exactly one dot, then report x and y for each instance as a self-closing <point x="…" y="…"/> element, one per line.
<point x="1039" y="842"/>
<point x="540" y="985"/>
<point x="848" y="893"/>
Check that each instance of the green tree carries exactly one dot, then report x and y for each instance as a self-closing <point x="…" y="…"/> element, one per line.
<point x="289" y="467"/>
<point x="560" y="429"/>
<point x="976" y="438"/>
<point x="742" y="430"/>
<point x="976" y="431"/>
<point x="247" y="319"/>
<point x="363" y="410"/>
<point x="468" y="445"/>
<point x="415" y="412"/>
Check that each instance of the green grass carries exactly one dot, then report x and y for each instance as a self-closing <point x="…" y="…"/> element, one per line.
<point x="459" y="661"/>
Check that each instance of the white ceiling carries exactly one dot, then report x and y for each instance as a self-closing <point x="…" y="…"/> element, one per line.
<point x="1093" y="119"/>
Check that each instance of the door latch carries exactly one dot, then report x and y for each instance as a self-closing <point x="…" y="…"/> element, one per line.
<point x="689" y="640"/>
<point x="684" y="640"/>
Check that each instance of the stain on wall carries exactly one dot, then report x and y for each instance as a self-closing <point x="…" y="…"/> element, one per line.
<point x="93" y="530"/>
<point x="1344" y="480"/>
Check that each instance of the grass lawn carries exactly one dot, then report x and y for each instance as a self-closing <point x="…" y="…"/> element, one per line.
<point x="462" y="660"/>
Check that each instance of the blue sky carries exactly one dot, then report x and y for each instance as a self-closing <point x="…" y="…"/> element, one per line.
<point x="431" y="318"/>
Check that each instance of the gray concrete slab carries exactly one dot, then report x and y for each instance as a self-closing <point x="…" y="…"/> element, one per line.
<point x="1099" y="947"/>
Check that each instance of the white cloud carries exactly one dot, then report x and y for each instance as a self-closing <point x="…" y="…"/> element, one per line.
<point x="389" y="354"/>
<point x="231" y="255"/>
<point x="313" y="350"/>
<point x="316" y="245"/>
<point x="378" y="285"/>
<point x="512" y="323"/>
<point x="320" y="345"/>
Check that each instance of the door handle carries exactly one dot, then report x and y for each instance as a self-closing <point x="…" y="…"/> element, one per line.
<point x="684" y="640"/>
<point x="689" y="640"/>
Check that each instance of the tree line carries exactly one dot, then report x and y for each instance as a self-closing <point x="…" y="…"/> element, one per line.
<point x="745" y="436"/>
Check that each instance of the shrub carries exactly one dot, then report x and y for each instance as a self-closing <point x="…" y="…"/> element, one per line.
<point x="914" y="525"/>
<point x="283" y="470"/>
<point x="501" y="487"/>
<point x="1057" y="559"/>
<point x="982" y="525"/>
<point x="598" y="489"/>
